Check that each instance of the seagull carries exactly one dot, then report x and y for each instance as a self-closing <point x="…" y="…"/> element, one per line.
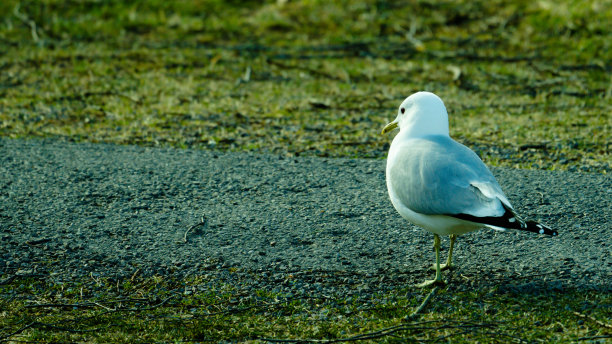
<point x="441" y="185"/>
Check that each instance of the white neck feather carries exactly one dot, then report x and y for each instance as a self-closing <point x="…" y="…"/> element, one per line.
<point x="427" y="116"/>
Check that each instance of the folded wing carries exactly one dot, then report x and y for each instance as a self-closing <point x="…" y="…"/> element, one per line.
<point x="438" y="176"/>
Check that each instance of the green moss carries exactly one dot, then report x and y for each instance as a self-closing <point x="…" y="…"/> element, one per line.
<point x="199" y="309"/>
<point x="525" y="82"/>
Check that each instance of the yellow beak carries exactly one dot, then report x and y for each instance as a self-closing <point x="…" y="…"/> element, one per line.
<point x="389" y="127"/>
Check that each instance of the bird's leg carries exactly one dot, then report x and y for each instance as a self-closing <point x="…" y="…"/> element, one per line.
<point x="438" y="279"/>
<point x="448" y="264"/>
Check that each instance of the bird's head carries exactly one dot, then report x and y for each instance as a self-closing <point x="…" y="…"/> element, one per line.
<point x="421" y="114"/>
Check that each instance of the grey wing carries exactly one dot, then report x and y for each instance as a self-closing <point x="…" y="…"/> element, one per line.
<point x="440" y="176"/>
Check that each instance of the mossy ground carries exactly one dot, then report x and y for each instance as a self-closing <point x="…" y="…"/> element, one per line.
<point x="159" y="309"/>
<point x="526" y="83"/>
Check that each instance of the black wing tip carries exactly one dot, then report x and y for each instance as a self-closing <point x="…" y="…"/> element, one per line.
<point x="539" y="228"/>
<point x="510" y="221"/>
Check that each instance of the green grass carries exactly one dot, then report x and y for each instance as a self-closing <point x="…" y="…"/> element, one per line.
<point x="165" y="310"/>
<point x="526" y="83"/>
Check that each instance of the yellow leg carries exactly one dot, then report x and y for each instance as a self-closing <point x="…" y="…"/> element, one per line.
<point x="448" y="264"/>
<point x="438" y="279"/>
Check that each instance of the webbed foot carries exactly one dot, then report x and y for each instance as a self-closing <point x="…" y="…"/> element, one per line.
<point x="431" y="283"/>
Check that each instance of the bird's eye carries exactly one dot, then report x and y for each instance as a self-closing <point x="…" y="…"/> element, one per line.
<point x="402" y="110"/>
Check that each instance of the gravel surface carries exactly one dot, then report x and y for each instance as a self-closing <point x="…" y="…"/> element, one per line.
<point x="70" y="211"/>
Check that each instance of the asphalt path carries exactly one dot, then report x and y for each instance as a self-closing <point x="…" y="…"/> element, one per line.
<point x="72" y="210"/>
